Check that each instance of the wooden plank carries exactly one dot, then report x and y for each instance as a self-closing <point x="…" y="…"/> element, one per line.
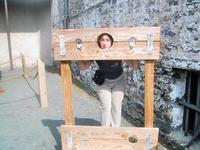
<point x="90" y="46"/>
<point x="67" y="90"/>
<point x="149" y="93"/>
<point x="124" y="54"/>
<point x="121" y="37"/>
<point x="119" y="50"/>
<point x="42" y="84"/>
<point x="106" y="138"/>
<point x="118" y="34"/>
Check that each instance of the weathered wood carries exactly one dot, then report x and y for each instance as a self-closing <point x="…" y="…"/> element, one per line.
<point x="23" y="61"/>
<point x="149" y="93"/>
<point x="98" y="138"/>
<point x="119" y="34"/>
<point x="67" y="91"/>
<point x="120" y="49"/>
<point x="42" y="84"/>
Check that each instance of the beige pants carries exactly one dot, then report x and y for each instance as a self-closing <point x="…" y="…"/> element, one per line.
<point x="111" y="94"/>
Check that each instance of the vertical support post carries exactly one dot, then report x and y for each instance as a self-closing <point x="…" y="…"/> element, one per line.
<point x="23" y="65"/>
<point x="149" y="93"/>
<point x="8" y="35"/>
<point x="66" y="77"/>
<point x="42" y="84"/>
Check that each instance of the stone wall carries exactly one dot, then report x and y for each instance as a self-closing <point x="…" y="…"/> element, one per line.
<point x="180" y="51"/>
<point x="58" y="13"/>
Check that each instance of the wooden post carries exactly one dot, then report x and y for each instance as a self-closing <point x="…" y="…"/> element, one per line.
<point x="42" y="84"/>
<point x="23" y="65"/>
<point x="67" y="90"/>
<point x="149" y="93"/>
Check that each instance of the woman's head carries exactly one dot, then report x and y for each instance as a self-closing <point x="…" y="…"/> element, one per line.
<point x="105" y="40"/>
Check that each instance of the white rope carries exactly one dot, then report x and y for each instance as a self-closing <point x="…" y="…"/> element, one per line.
<point x="3" y="63"/>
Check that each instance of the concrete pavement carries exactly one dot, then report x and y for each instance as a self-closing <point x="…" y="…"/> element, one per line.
<point x="24" y="125"/>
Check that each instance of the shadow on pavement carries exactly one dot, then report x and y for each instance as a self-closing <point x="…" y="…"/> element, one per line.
<point x="53" y="126"/>
<point x="36" y="95"/>
<point x="87" y="122"/>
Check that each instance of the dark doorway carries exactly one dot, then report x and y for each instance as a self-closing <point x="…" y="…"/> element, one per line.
<point x="191" y="118"/>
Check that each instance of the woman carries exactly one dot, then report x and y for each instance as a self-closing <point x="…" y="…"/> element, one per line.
<point x="111" y="92"/>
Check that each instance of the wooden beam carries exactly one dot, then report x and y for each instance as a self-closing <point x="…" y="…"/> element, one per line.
<point x="67" y="90"/>
<point x="149" y="93"/>
<point x="42" y="84"/>
<point x="119" y="50"/>
<point x="106" y="138"/>
<point x="119" y="34"/>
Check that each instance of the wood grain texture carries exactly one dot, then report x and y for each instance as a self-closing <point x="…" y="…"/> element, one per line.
<point x="119" y="50"/>
<point x="149" y="93"/>
<point x="67" y="91"/>
<point x="42" y="84"/>
<point x="118" y="34"/>
<point x="98" y="138"/>
<point x="106" y="138"/>
<point x="24" y="68"/>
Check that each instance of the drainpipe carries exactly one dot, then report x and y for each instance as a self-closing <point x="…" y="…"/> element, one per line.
<point x="65" y="14"/>
<point x="8" y="35"/>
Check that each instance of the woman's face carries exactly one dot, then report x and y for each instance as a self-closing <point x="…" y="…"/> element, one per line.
<point x="105" y="42"/>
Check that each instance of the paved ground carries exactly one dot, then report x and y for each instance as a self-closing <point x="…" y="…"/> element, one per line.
<point x="26" y="126"/>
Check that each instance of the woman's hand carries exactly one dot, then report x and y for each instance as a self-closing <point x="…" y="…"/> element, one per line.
<point x="134" y="64"/>
<point x="84" y="64"/>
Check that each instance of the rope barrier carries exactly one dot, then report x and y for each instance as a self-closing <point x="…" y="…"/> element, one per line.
<point x="26" y="72"/>
<point x="9" y="62"/>
<point x="29" y="71"/>
<point x="22" y="75"/>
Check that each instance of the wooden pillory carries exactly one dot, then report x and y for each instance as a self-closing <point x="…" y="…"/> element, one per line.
<point x="130" y="43"/>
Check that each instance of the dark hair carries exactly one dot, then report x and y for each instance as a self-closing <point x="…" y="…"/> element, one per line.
<point x="101" y="35"/>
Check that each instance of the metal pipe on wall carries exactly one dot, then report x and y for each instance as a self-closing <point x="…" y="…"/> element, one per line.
<point x="8" y="35"/>
<point x="66" y="14"/>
